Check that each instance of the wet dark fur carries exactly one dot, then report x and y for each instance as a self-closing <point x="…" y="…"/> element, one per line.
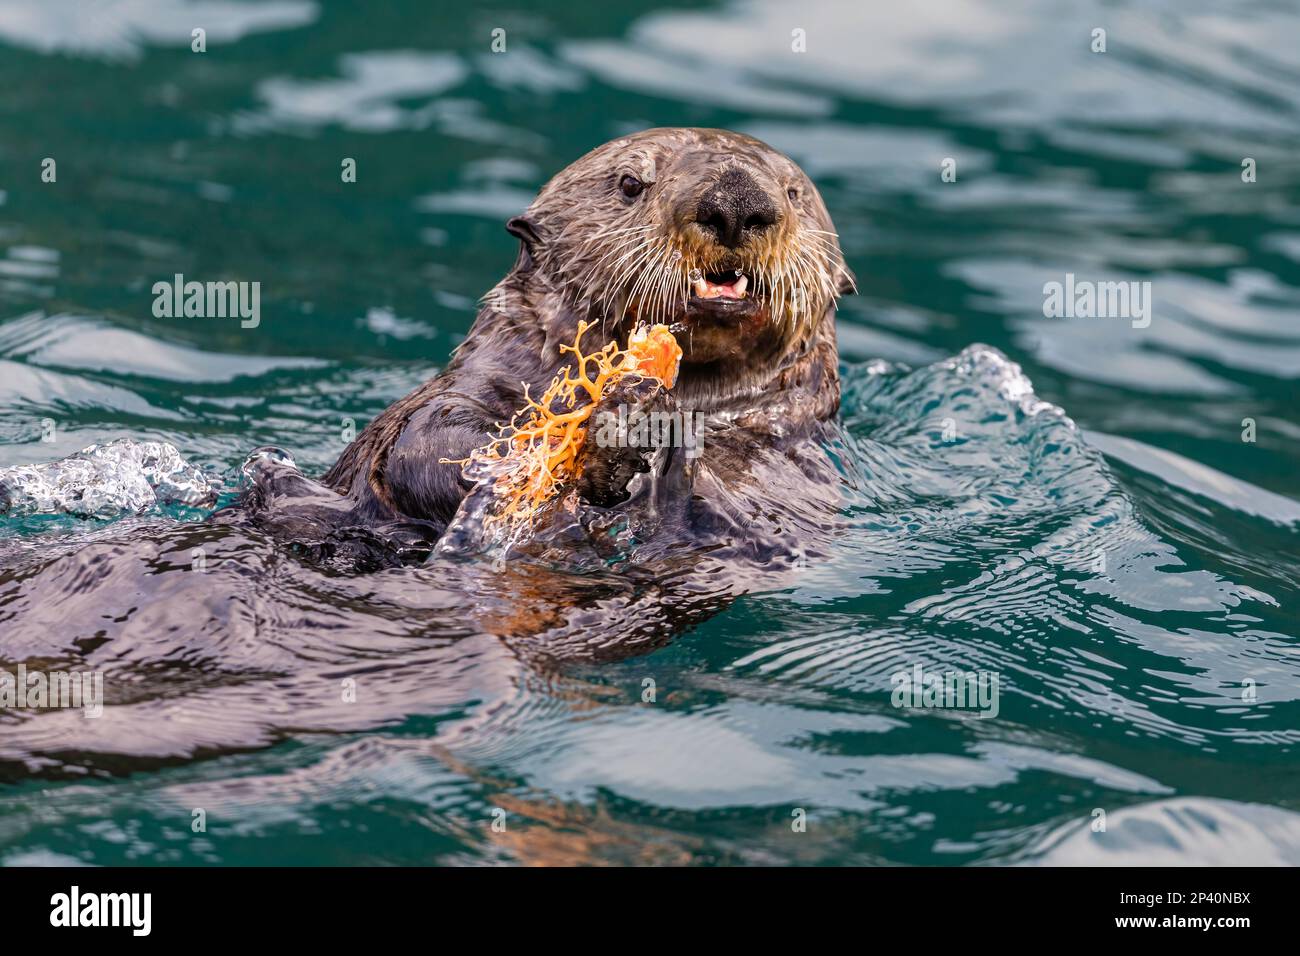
<point x="767" y="383"/>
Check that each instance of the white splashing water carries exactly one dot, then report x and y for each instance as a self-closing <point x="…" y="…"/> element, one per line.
<point x="106" y="481"/>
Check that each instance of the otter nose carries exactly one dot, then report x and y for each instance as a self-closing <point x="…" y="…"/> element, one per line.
<point x="736" y="204"/>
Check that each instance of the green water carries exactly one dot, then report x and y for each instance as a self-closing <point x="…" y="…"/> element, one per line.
<point x="1131" y="581"/>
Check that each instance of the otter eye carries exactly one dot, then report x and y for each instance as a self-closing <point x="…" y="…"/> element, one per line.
<point x="793" y="193"/>
<point x="630" y="186"/>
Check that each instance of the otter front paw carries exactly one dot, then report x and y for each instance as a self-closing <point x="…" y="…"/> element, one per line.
<point x="626" y="430"/>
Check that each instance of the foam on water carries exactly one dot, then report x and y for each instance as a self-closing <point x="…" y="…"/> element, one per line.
<point x="106" y="481"/>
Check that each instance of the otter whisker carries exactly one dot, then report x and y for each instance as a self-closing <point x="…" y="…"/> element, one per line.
<point x="591" y="239"/>
<point x="811" y="277"/>
<point x="669" y="279"/>
<point x="638" y="257"/>
<point x="675" y="289"/>
<point x="619" y="239"/>
<point x="818" y="257"/>
<point x="629" y="241"/>
<point x="646" y="273"/>
<point x="832" y="260"/>
<point x="611" y="231"/>
<point x="623" y="252"/>
<point x="656" y="293"/>
<point x="633" y="262"/>
<point x="666" y="275"/>
<point x="824" y="262"/>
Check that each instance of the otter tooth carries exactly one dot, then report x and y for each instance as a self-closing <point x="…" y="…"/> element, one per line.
<point x="741" y="285"/>
<point x="701" y="287"/>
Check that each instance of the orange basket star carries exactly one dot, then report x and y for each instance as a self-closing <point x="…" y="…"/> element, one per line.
<point x="530" y="462"/>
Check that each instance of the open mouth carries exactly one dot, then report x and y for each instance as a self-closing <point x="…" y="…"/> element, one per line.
<point x="729" y="284"/>
<point x="721" y="297"/>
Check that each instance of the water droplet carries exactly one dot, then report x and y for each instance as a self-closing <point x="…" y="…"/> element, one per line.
<point x="739" y="273"/>
<point x="696" y="275"/>
<point x="676" y="256"/>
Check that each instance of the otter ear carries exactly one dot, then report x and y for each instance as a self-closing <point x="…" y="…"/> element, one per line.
<point x="847" y="282"/>
<point x="525" y="230"/>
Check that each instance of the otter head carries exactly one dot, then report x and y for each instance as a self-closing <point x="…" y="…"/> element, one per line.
<point x="710" y="232"/>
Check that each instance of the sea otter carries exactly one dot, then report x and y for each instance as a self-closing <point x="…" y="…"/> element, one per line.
<point x="712" y="232"/>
